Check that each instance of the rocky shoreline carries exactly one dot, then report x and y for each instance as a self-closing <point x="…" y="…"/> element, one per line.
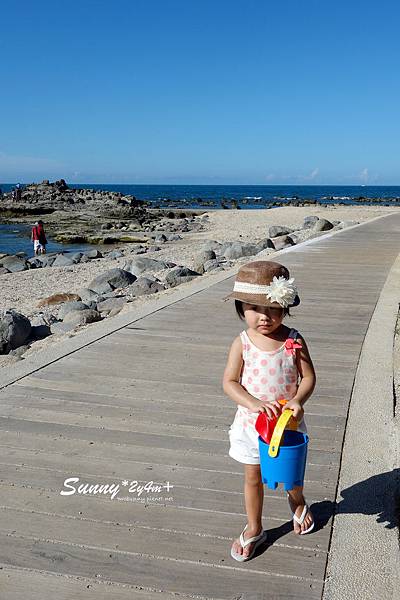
<point x="106" y="294"/>
<point x="67" y="292"/>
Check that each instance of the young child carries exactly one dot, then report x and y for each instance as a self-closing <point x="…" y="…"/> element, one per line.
<point x="268" y="362"/>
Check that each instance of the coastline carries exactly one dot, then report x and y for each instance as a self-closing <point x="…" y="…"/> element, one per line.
<point x="23" y="290"/>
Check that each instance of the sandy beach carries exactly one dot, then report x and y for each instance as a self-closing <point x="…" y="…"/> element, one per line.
<point x="23" y="290"/>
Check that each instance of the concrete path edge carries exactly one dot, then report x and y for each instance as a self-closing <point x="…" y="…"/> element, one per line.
<point x="363" y="561"/>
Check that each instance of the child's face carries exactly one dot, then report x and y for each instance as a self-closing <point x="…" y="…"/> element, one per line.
<point x="263" y="319"/>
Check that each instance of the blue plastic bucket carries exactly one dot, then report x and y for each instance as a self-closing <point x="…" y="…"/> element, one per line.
<point x="289" y="466"/>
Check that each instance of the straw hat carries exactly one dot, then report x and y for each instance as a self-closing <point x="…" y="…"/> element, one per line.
<point x="265" y="283"/>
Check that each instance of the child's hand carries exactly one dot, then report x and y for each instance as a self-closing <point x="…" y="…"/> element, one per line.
<point x="297" y="409"/>
<point x="273" y="409"/>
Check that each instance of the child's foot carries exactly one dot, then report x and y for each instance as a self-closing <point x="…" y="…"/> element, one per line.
<point x="304" y="521"/>
<point x="242" y="553"/>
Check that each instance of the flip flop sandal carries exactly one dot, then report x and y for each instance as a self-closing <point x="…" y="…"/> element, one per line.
<point x="257" y="539"/>
<point x="300" y="520"/>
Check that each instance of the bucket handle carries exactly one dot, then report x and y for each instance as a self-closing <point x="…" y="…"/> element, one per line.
<point x="278" y="432"/>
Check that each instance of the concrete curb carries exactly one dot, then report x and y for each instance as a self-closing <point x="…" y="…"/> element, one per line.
<point x="363" y="561"/>
<point x="97" y="331"/>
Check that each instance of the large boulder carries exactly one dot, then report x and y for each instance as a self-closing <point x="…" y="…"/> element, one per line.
<point x="283" y="241"/>
<point x="63" y="260"/>
<point x="278" y="230"/>
<point x="82" y="317"/>
<point x="322" y="225"/>
<point x="180" y="275"/>
<point x="110" y="280"/>
<point x="70" y="306"/>
<point x="92" y="254"/>
<point x="111" y="304"/>
<point x="144" y="286"/>
<point x="15" y="329"/>
<point x="310" y="221"/>
<point x="142" y="264"/>
<point x="15" y="263"/>
<point x="212" y="245"/>
<point x="239" y="249"/>
<point x="88" y="295"/>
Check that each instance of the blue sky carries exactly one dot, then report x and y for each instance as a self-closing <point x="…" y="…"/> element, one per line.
<point x="213" y="92"/>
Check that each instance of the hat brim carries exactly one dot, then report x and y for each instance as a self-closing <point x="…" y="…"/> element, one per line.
<point x="258" y="299"/>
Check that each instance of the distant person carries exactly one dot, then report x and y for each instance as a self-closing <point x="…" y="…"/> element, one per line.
<point x="39" y="238"/>
<point x="13" y="195"/>
<point x="18" y="192"/>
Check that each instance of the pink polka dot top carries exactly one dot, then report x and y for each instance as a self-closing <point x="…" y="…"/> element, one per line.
<point x="267" y="375"/>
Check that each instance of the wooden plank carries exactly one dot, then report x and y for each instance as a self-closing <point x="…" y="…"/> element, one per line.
<point x="134" y="568"/>
<point x="20" y="584"/>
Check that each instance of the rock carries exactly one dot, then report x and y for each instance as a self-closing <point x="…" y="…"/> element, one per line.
<point x="302" y="235"/>
<point x="278" y="230"/>
<point x="111" y="304"/>
<point x="82" y="317"/>
<point x="142" y="264"/>
<point x="63" y="260"/>
<point x="15" y="264"/>
<point x="114" y="278"/>
<point x="180" y="275"/>
<point x="60" y="328"/>
<point x="265" y="243"/>
<point x="115" y="254"/>
<point x="93" y="254"/>
<point x="211" y="245"/>
<point x="46" y="259"/>
<point x="160" y="238"/>
<point x="344" y="224"/>
<point x="19" y="351"/>
<point x="322" y="225"/>
<point x="106" y="226"/>
<point x="202" y="258"/>
<point x="69" y="306"/>
<point x="144" y="286"/>
<point x="309" y="222"/>
<point x="211" y="265"/>
<point x="14" y="330"/>
<point x="39" y="332"/>
<point x="4" y="271"/>
<point x="76" y="257"/>
<point x="239" y="249"/>
<point x="88" y="295"/>
<point x="283" y="241"/>
<point x="174" y="237"/>
<point x="58" y="299"/>
<point x="35" y="263"/>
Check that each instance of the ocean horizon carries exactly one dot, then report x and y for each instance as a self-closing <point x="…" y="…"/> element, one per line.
<point x="246" y="196"/>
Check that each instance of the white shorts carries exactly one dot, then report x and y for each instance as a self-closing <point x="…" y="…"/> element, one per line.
<point x="37" y="245"/>
<point x="244" y="442"/>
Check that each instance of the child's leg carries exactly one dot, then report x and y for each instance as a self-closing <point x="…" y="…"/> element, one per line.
<point x="296" y="503"/>
<point x="253" y="497"/>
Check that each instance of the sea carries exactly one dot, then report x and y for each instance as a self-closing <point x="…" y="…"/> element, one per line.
<point x="16" y="238"/>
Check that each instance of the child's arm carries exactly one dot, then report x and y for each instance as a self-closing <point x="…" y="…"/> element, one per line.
<point x="307" y="384"/>
<point x="233" y="388"/>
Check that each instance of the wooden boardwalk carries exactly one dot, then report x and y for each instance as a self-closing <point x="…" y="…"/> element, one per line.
<point x="146" y="403"/>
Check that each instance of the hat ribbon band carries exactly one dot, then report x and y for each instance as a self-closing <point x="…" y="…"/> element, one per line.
<point x="250" y="288"/>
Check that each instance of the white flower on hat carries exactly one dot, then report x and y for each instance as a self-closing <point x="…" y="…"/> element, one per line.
<point x="281" y="290"/>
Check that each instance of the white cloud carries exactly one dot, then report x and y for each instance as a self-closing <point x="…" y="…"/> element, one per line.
<point x="364" y="175"/>
<point x="314" y="173"/>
